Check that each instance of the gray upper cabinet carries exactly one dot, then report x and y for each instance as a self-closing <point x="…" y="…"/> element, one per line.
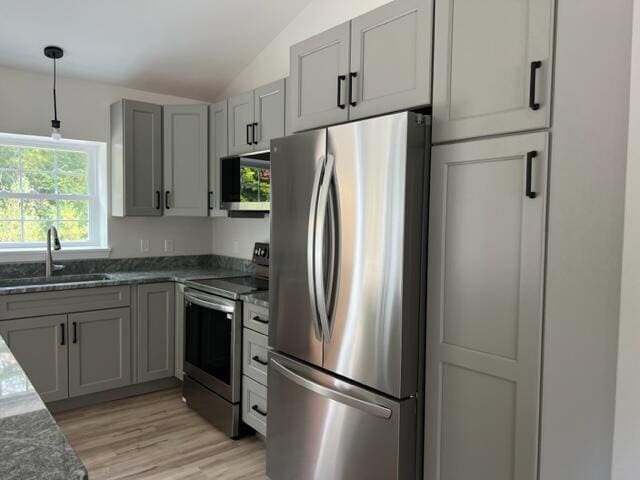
<point x="218" y="141"/>
<point x="318" y="77"/>
<point x="485" y="281"/>
<point x="99" y="351"/>
<point x="391" y="58"/>
<point x="186" y="160"/>
<point x="136" y="159"/>
<point x="241" y="123"/>
<point x="40" y="346"/>
<point x="156" y="331"/>
<point x="487" y="79"/>
<point x="269" y="113"/>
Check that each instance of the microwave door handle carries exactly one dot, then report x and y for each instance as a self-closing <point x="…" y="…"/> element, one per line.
<point x="207" y="304"/>
<point x="321" y="214"/>
<point x="352" y="401"/>
<point x="311" y="232"/>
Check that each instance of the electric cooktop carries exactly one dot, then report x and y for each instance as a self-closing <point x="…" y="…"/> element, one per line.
<point x="230" y="287"/>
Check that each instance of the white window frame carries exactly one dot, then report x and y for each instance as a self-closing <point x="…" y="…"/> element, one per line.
<point x="96" y="245"/>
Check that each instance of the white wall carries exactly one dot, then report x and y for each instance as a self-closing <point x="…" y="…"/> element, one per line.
<point x="272" y="64"/>
<point x="26" y="108"/>
<point x="585" y="226"/>
<point x="626" y="444"/>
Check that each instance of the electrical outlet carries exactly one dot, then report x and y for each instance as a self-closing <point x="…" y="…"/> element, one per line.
<point x="144" y="245"/>
<point x="168" y="246"/>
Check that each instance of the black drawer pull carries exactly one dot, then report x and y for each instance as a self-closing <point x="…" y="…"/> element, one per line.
<point x="260" y="320"/>
<point x="352" y="75"/>
<point x="210" y="200"/>
<point x="166" y="200"/>
<point x="75" y="332"/>
<point x="533" y="105"/>
<point x="63" y="340"/>
<point x="257" y="409"/>
<point x="341" y="78"/>
<point x="158" y="200"/>
<point x="530" y="156"/>
<point x="253" y="133"/>
<point x="248" y="133"/>
<point x="257" y="359"/>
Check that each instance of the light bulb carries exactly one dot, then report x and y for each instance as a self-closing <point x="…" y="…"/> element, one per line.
<point x="55" y="134"/>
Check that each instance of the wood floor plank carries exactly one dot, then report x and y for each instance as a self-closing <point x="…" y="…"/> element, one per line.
<point x="157" y="437"/>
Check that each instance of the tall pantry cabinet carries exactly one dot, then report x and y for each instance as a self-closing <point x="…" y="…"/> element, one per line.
<point x="493" y="65"/>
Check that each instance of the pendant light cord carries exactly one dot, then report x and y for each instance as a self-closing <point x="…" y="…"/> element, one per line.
<point x="55" y="103"/>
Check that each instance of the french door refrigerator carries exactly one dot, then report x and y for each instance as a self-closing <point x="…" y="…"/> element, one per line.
<point x="347" y="282"/>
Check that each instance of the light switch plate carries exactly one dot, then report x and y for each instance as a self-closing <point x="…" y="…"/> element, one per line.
<point x="144" y="245"/>
<point x="168" y="246"/>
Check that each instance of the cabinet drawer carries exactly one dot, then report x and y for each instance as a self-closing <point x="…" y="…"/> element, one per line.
<point x="255" y="355"/>
<point x="254" y="405"/>
<point x="63" y="301"/>
<point x="256" y="318"/>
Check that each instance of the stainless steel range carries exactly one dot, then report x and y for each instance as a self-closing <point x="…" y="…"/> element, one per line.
<point x="213" y="343"/>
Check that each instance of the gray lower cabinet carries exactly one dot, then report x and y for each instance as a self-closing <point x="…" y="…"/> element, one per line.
<point x="99" y="351"/>
<point x="186" y="161"/>
<point x="136" y="159"/>
<point x="156" y="331"/>
<point x="179" y="320"/>
<point x="485" y="283"/>
<point x="40" y="345"/>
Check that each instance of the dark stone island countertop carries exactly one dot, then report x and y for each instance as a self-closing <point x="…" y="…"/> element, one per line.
<point x="260" y="298"/>
<point x="32" y="446"/>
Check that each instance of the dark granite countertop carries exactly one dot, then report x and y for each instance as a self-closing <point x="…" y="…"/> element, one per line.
<point x="32" y="447"/>
<point x="17" y="286"/>
<point x="260" y="298"/>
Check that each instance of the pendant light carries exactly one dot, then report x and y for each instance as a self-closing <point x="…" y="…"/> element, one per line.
<point x="54" y="53"/>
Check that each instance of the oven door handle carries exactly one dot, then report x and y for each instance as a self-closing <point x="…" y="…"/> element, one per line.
<point x="208" y="304"/>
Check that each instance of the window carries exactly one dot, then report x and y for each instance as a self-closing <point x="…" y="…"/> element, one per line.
<point x="44" y="182"/>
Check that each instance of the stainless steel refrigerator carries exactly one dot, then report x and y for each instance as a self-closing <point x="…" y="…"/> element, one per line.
<point x="347" y="283"/>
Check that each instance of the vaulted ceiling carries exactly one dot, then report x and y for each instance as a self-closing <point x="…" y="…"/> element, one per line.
<point x="189" y="48"/>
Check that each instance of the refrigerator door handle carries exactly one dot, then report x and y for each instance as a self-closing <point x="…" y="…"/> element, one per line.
<point x="313" y="210"/>
<point x="363" y="405"/>
<point x="321" y="214"/>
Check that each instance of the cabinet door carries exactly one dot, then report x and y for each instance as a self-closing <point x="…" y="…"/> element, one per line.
<point x="40" y="346"/>
<point x="99" y="351"/>
<point x="179" y="319"/>
<point x="241" y="123"/>
<point x="484" y="70"/>
<point x="156" y="331"/>
<point x="319" y="69"/>
<point x="186" y="160"/>
<point x="486" y="254"/>
<point x="142" y="158"/>
<point x="391" y="58"/>
<point x="217" y="149"/>
<point x="269" y="108"/>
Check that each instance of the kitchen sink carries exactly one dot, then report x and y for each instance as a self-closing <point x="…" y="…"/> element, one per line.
<point x="25" y="282"/>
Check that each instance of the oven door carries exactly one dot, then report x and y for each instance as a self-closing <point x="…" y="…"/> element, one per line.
<point x="212" y="343"/>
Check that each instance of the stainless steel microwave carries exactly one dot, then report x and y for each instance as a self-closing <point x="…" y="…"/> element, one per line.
<point x="245" y="182"/>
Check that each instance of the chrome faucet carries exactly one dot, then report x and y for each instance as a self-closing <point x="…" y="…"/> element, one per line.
<point x="51" y="267"/>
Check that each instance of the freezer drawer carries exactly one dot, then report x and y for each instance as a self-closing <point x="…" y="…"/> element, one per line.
<point x="325" y="428"/>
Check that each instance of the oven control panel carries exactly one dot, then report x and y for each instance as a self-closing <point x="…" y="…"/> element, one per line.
<point x="261" y="254"/>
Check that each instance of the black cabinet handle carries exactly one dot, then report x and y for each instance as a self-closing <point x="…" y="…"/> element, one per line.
<point x="158" y="205"/>
<point x="75" y="332"/>
<point x="248" y="133"/>
<point x="260" y="320"/>
<point x="254" y="126"/>
<point x="256" y="409"/>
<point x="533" y="105"/>
<point x="166" y="200"/>
<point x="63" y="340"/>
<point x="530" y="157"/>
<point x="257" y="359"/>
<point x="210" y="201"/>
<point x="341" y="78"/>
<point x="352" y="75"/>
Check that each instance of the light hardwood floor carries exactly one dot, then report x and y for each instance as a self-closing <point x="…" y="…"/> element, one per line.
<point x="156" y="436"/>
